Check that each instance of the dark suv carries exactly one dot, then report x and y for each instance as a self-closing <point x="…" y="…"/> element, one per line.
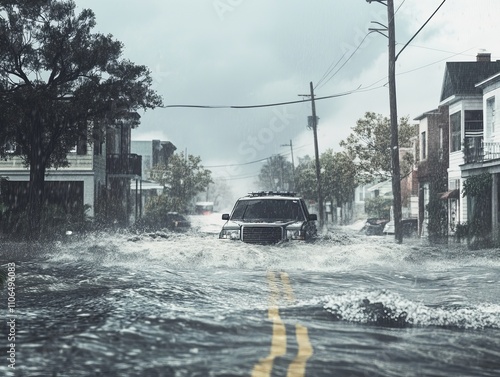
<point x="269" y="217"/>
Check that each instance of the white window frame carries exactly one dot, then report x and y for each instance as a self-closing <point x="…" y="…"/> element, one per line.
<point x="423" y="145"/>
<point x="490" y="116"/>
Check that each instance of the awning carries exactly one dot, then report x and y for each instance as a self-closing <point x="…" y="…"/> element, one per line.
<point x="450" y="194"/>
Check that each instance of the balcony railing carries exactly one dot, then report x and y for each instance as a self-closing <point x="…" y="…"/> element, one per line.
<point x="491" y="150"/>
<point x="477" y="150"/>
<point x="124" y="164"/>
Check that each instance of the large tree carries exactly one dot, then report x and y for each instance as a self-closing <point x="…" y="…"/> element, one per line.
<point x="370" y="145"/>
<point x="183" y="179"/>
<point x="339" y="177"/>
<point x="60" y="84"/>
<point x="305" y="178"/>
<point x="219" y="193"/>
<point x="276" y="174"/>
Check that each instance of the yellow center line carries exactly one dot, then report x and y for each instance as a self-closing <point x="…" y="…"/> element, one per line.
<point x="288" y="287"/>
<point x="278" y="341"/>
<point x="298" y="366"/>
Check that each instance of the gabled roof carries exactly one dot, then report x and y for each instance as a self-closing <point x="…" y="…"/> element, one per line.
<point x="460" y="78"/>
<point x="382" y="186"/>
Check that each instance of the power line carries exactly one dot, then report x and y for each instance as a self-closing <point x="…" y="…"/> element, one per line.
<point x="319" y="84"/>
<point x="436" y="62"/>
<point x="237" y="178"/>
<point x="329" y="70"/>
<point x="232" y="165"/>
<point x="397" y="10"/>
<point x="369" y="87"/>
<point x="419" y="30"/>
<point x="349" y="58"/>
<point x="440" y="50"/>
<point x="258" y="106"/>
<point x="400" y="5"/>
<point x="357" y="90"/>
<point x="255" y="161"/>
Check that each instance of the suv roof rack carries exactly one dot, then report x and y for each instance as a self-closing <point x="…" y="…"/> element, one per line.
<point x="269" y="193"/>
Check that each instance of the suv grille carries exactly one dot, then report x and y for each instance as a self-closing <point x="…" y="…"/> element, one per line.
<point x="261" y="234"/>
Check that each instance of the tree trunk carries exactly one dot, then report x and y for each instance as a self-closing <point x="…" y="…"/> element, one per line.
<point x="35" y="200"/>
<point x="38" y="164"/>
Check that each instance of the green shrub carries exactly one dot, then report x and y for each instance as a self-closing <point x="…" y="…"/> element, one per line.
<point x="379" y="207"/>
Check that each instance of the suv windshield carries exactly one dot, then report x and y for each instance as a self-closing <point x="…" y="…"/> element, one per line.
<point x="268" y="209"/>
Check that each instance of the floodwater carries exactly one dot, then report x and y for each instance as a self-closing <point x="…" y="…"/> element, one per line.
<point x="189" y="304"/>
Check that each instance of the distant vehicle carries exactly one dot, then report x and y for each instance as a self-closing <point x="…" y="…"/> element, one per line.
<point x="204" y="208"/>
<point x="374" y="226"/>
<point x="268" y="218"/>
<point x="176" y="221"/>
<point x="409" y="226"/>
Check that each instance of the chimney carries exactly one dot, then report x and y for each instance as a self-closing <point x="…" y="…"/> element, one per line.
<point x="483" y="57"/>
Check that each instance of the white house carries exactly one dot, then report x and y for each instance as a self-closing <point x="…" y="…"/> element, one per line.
<point x="487" y="157"/>
<point x="465" y="103"/>
<point x="81" y="180"/>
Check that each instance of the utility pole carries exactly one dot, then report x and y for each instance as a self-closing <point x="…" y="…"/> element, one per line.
<point x="314" y="125"/>
<point x="396" y="175"/>
<point x="316" y="152"/>
<point x="293" y="163"/>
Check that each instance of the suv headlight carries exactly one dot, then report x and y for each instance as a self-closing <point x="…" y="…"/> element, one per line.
<point x="230" y="234"/>
<point x="295" y="234"/>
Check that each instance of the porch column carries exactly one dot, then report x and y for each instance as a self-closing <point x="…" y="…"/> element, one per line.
<point x="494" y="208"/>
<point x="89" y="194"/>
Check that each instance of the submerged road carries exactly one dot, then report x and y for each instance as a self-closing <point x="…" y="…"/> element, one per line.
<point x="193" y="305"/>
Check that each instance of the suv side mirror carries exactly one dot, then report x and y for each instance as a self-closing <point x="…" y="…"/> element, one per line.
<point x="313" y="217"/>
<point x="225" y="216"/>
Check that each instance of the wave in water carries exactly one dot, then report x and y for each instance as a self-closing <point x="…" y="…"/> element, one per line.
<point x="380" y="307"/>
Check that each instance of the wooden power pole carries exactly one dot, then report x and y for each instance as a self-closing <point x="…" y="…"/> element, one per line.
<point x="396" y="175"/>
<point x="316" y="152"/>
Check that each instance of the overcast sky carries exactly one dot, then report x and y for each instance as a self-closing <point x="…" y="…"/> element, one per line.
<point x="252" y="52"/>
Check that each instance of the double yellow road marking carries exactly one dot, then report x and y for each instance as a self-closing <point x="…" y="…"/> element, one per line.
<point x="278" y="341"/>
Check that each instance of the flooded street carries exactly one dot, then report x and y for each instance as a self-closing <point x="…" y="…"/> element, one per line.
<point x="189" y="304"/>
<point x="125" y="126"/>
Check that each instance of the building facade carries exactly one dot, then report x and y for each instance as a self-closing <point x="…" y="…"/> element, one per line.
<point x="483" y="156"/>
<point x="96" y="180"/>
<point x="464" y="100"/>
<point x="154" y="153"/>
<point x="432" y="167"/>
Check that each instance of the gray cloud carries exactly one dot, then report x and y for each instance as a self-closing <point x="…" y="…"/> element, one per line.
<point x="242" y="52"/>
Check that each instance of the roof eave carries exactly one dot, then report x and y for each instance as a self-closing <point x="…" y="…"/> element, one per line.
<point x="488" y="81"/>
<point x="448" y="101"/>
<point x="427" y="113"/>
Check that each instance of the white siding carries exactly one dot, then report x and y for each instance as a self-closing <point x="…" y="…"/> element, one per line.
<point x="87" y="168"/>
<point x="76" y="162"/>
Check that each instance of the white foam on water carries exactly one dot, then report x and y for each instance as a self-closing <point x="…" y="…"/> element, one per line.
<point x="379" y="306"/>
